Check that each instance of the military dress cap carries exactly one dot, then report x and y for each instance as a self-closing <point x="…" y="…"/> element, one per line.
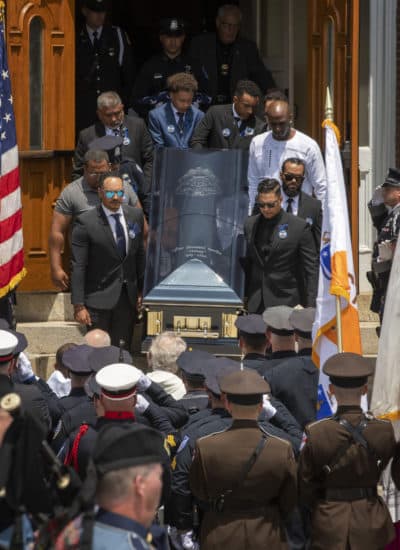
<point x="123" y="445"/>
<point x="251" y="324"/>
<point x="8" y="344"/>
<point x="244" y="387"/>
<point x="22" y="341"/>
<point x="101" y="357"/>
<point x="192" y="364"/>
<point x="96" y="5"/>
<point x="218" y="367"/>
<point x="302" y="321"/>
<point x="393" y="178"/>
<point x="110" y="144"/>
<point x="118" y="381"/>
<point x="172" y="26"/>
<point x="348" y="370"/>
<point x="277" y="320"/>
<point x="76" y="359"/>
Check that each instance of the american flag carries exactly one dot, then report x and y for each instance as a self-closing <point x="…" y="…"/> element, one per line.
<point x="11" y="242"/>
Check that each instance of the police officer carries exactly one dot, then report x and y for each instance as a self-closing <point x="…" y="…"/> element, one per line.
<point x="385" y="212"/>
<point x="190" y="364"/>
<point x="244" y="476"/>
<point x="280" y="334"/>
<point x="103" y="62"/>
<point x="76" y="361"/>
<point x="150" y="88"/>
<point x="341" y="464"/>
<point x="253" y="341"/>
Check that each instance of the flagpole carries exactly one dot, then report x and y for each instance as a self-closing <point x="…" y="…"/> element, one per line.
<point x="329" y="116"/>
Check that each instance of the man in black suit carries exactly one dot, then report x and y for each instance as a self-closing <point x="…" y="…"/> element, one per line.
<point x="108" y="263"/>
<point x="281" y="257"/>
<point x="295" y="201"/>
<point x="231" y="126"/>
<point x="228" y="58"/>
<point x="137" y="143"/>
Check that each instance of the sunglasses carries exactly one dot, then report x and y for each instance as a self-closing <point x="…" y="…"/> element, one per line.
<point x="267" y="204"/>
<point x="291" y="177"/>
<point x="111" y="194"/>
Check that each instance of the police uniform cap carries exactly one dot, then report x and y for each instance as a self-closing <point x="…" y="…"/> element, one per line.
<point x="110" y="144"/>
<point x="244" y="387"/>
<point x="124" y="445"/>
<point x="8" y="344"/>
<point x="101" y="357"/>
<point x="22" y="341"/>
<point x="302" y="321"/>
<point x="251" y="324"/>
<point x="96" y="5"/>
<point x="91" y="387"/>
<point x="76" y="359"/>
<point x="118" y="381"/>
<point x="172" y="26"/>
<point x="393" y="178"/>
<point x="348" y="370"/>
<point x="277" y="320"/>
<point x="218" y="367"/>
<point x="192" y="364"/>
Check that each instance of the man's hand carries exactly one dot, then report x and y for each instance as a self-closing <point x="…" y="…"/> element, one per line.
<point x="81" y="315"/>
<point x="60" y="278"/>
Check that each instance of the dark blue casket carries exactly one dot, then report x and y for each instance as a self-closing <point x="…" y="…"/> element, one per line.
<point x="194" y="283"/>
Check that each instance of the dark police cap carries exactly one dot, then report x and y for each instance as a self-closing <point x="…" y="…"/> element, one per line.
<point x="101" y="357"/>
<point x="348" y="370"/>
<point x="22" y="341"/>
<point x="96" y="5"/>
<point x="218" y="367"/>
<point x="302" y="321"/>
<point x="192" y="364"/>
<point x="392" y="179"/>
<point x="110" y="144"/>
<point x="244" y="387"/>
<point x="92" y="388"/>
<point x="76" y="359"/>
<point x="172" y="26"/>
<point x="251" y="324"/>
<point x="125" y="445"/>
<point x="277" y="320"/>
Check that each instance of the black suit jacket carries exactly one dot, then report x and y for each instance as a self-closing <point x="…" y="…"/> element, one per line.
<point x="310" y="209"/>
<point x="278" y="280"/>
<point x="98" y="272"/>
<point x="246" y="63"/>
<point x="140" y="147"/>
<point x="219" y="120"/>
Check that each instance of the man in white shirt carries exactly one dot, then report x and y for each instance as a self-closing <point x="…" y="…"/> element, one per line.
<point x="108" y="263"/>
<point x="269" y="150"/>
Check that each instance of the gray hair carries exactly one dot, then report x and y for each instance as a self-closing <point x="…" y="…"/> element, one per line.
<point x="165" y="350"/>
<point x="95" y="155"/>
<point x="108" y="99"/>
<point x="116" y="486"/>
<point x="97" y="338"/>
<point x="232" y="9"/>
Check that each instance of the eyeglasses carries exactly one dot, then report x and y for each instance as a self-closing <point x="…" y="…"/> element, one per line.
<point x="111" y="194"/>
<point x="291" y="177"/>
<point x="267" y="204"/>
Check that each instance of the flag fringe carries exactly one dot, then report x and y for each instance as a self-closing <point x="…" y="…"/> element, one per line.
<point x="332" y="125"/>
<point x="13" y="283"/>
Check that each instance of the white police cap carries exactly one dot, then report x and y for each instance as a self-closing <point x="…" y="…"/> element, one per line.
<point x="8" y="343"/>
<point x="118" y="381"/>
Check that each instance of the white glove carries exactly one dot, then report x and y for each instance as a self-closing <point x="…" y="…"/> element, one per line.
<point x="141" y="404"/>
<point x="188" y="543"/>
<point x="377" y="197"/>
<point x="24" y="368"/>
<point x="385" y="251"/>
<point x="270" y="411"/>
<point x="143" y="383"/>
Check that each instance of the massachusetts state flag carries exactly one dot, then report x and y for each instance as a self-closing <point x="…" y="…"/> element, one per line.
<point x="336" y="276"/>
<point x="11" y="243"/>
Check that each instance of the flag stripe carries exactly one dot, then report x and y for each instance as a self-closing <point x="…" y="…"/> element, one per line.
<point x="10" y="270"/>
<point x="9" y="183"/>
<point x="9" y="160"/>
<point x="10" y="247"/>
<point x="10" y="205"/>
<point x="10" y="226"/>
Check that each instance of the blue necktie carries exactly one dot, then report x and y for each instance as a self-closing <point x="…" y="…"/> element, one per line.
<point x="119" y="231"/>
<point x="180" y="122"/>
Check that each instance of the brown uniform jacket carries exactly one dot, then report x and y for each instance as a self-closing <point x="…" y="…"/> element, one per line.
<point x="252" y="517"/>
<point x="363" y="524"/>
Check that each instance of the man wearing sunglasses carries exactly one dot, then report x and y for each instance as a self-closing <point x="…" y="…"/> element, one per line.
<point x="108" y="263"/>
<point x="281" y="264"/>
<point x="295" y="201"/>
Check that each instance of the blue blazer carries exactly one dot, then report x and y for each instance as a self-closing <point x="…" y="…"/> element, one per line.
<point x="164" y="129"/>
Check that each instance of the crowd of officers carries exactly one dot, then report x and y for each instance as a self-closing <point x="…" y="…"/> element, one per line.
<point x="198" y="452"/>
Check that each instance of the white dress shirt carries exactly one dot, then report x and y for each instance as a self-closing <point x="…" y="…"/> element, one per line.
<point x="90" y="32"/>
<point x="112" y="222"/>
<point x="295" y="202"/>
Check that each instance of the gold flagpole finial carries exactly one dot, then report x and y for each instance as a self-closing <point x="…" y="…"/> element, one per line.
<point x="328" y="105"/>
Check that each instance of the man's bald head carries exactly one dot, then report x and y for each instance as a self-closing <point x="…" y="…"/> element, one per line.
<point x="278" y="108"/>
<point x="97" y="338"/>
<point x="279" y="117"/>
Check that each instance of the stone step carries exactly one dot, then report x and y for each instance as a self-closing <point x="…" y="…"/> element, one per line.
<point x="369" y="338"/>
<point x="44" y="338"/>
<point x="365" y="314"/>
<point x="44" y="306"/>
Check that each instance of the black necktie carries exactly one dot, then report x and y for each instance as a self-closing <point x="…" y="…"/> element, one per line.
<point x="289" y="205"/>
<point x="180" y="122"/>
<point x="120" y="234"/>
<point x="96" y="41"/>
